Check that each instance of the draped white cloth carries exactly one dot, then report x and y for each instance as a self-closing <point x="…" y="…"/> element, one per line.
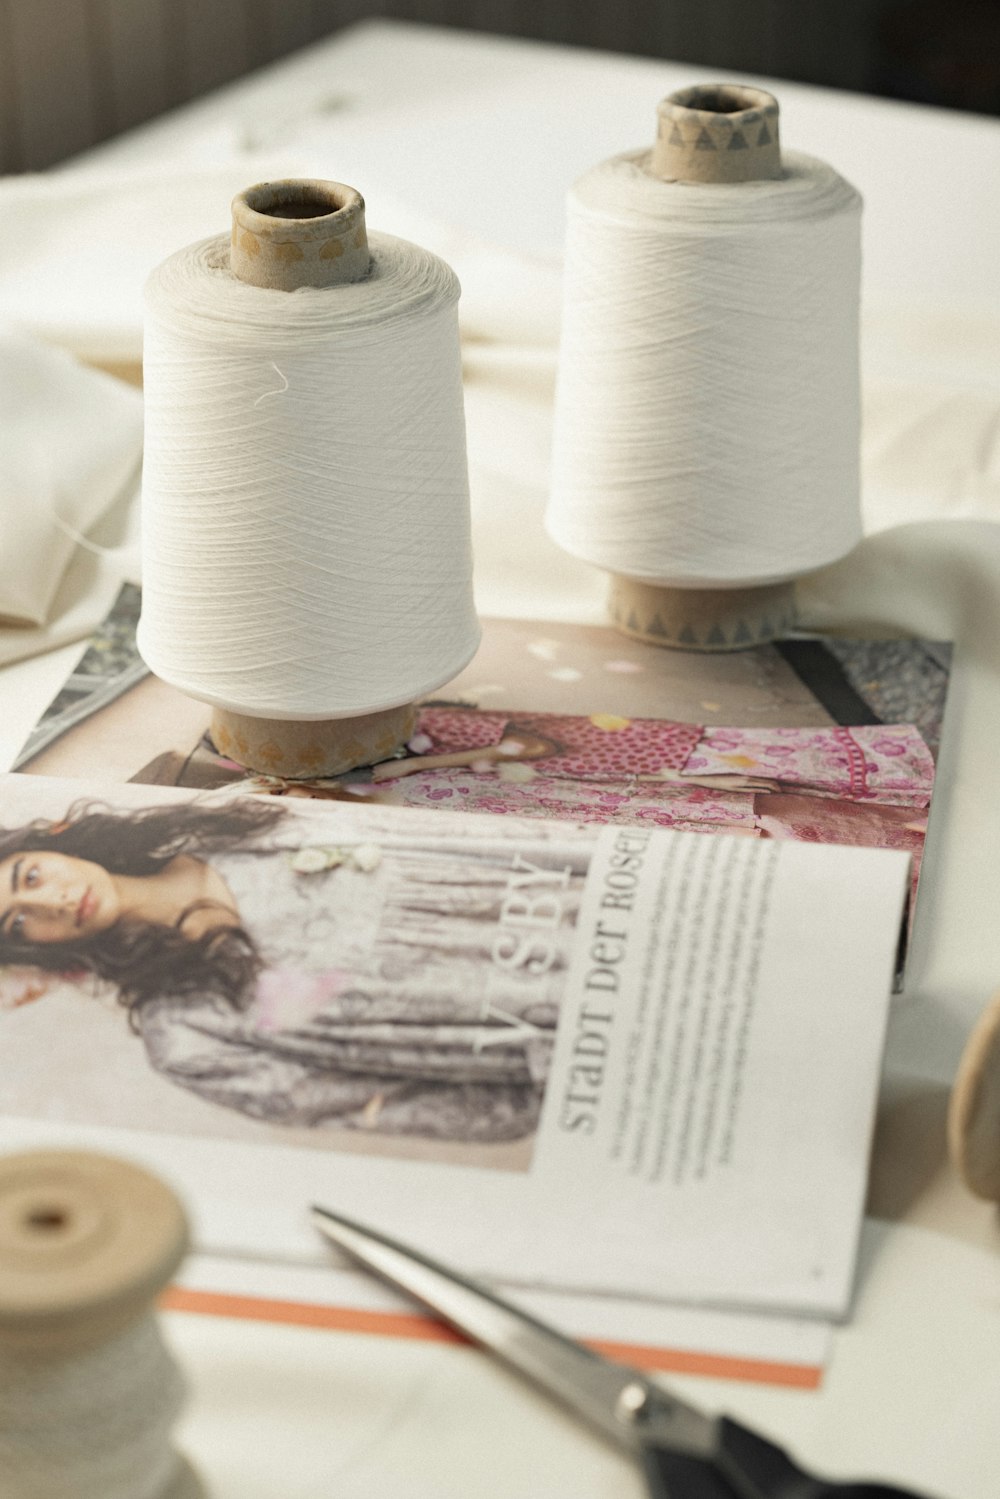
<point x="70" y="449"/>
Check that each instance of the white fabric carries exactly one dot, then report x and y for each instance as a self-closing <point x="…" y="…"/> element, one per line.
<point x="931" y="417"/>
<point x="70" y="444"/>
<point x="88" y="589"/>
<point x="75" y="252"/>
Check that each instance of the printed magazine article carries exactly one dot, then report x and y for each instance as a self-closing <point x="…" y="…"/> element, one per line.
<point x="616" y="1042"/>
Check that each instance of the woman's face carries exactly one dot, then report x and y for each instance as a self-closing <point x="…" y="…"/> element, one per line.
<point x="48" y="897"/>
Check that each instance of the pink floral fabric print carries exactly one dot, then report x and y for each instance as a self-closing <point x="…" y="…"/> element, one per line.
<point x="603" y="746"/>
<point x="452" y="730"/>
<point x="868" y="786"/>
<point x="881" y="762"/>
<point x="540" y="794"/>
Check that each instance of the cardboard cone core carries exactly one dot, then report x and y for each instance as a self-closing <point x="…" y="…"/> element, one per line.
<point x="299" y="232"/>
<point x="286" y="235"/>
<point x="717" y="132"/>
<point x="723" y="133"/>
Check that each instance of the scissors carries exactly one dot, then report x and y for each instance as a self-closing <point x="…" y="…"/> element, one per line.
<point x="684" y="1452"/>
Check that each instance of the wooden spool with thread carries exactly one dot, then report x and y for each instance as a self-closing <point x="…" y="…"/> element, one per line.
<point x="720" y="133"/>
<point x="287" y="235"/>
<point x="87" y="1242"/>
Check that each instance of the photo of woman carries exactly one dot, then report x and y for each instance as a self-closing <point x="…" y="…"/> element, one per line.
<point x="318" y="970"/>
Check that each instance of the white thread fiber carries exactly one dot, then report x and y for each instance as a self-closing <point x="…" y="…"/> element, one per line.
<point x="707" y="411"/>
<point x="94" y="1425"/>
<point x="306" y="549"/>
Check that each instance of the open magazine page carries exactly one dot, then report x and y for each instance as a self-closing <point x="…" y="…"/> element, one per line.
<point x="620" y="1059"/>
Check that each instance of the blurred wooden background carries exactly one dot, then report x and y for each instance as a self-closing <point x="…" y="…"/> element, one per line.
<point x="73" y="72"/>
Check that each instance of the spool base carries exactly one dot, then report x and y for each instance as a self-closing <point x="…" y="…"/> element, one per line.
<point x="701" y="619"/>
<point x="303" y="751"/>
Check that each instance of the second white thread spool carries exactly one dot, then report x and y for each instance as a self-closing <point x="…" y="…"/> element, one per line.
<point x="306" y="533"/>
<point x="707" y="419"/>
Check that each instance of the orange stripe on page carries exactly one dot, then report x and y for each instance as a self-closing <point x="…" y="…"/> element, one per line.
<point x="414" y="1325"/>
<point x="715" y="1365"/>
<point x="307" y="1314"/>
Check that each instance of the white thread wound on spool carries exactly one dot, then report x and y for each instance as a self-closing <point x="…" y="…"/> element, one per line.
<point x="306" y="548"/>
<point x="707" y="412"/>
<point x="94" y="1425"/>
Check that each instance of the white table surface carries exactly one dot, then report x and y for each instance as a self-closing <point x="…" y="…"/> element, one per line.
<point x="486" y="135"/>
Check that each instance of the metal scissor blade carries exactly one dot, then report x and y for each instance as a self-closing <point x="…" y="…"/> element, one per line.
<point x="683" y="1451"/>
<point x="619" y="1401"/>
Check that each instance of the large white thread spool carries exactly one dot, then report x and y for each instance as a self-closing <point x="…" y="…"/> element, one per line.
<point x="306" y="536"/>
<point x="88" y="1391"/>
<point x="706" y="444"/>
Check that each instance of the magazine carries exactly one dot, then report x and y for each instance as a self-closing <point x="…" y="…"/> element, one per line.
<point x="810" y="741"/>
<point x="648" y="1058"/>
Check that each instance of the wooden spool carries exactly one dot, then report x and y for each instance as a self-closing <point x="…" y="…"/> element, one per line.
<point x="87" y="1243"/>
<point x="974" y="1109"/>
<point x="709" y="133"/>
<point x="288" y="235"/>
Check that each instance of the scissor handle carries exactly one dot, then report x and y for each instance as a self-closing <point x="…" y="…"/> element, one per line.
<point x="673" y="1475"/>
<point x="747" y="1466"/>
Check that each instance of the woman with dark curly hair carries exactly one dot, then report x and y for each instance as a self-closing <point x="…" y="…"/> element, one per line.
<point x="274" y="963"/>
